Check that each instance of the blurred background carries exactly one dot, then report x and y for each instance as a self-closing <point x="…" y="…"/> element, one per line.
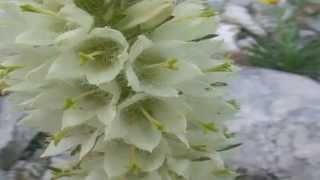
<point x="277" y="45"/>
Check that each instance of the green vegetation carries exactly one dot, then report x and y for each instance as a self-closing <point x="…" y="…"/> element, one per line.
<point x="285" y="51"/>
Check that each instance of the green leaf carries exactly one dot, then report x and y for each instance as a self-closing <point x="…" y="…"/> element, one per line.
<point x="201" y="147"/>
<point x="230" y="147"/>
<point x="224" y="173"/>
<point x="94" y="7"/>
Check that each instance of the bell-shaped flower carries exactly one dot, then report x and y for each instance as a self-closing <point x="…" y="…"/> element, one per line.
<point x="11" y="23"/>
<point x="131" y="89"/>
<point x="53" y="5"/>
<point x="207" y="170"/>
<point x="209" y="110"/>
<point x="78" y="116"/>
<point x="75" y="104"/>
<point x="44" y="25"/>
<point x="204" y="54"/>
<point x="208" y="57"/>
<point x="142" y="120"/>
<point x="214" y="83"/>
<point x="97" y="174"/>
<point x="30" y="67"/>
<point x="191" y="21"/>
<point x="130" y="160"/>
<point x="153" y="70"/>
<point x="99" y="56"/>
<point x="25" y="72"/>
<point x="146" y="14"/>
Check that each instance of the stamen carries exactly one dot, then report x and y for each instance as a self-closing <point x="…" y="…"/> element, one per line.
<point x="226" y="67"/>
<point x="69" y="103"/>
<point x="209" y="12"/>
<point x="85" y="58"/>
<point x="88" y="93"/>
<point x="152" y="120"/>
<point x="60" y="135"/>
<point x="5" y="70"/>
<point x="133" y="164"/>
<point x="209" y="127"/>
<point x="72" y="102"/>
<point x="171" y="64"/>
<point x="33" y="9"/>
<point x="206" y="127"/>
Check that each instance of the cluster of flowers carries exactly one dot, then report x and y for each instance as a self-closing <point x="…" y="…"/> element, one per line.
<point x="132" y="89"/>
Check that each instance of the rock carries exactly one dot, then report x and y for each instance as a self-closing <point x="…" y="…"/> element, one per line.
<point x="3" y="176"/>
<point x="242" y="2"/>
<point x="47" y="175"/>
<point x="57" y="161"/>
<point x="267" y="16"/>
<point x="252" y="176"/>
<point x="228" y="33"/>
<point x="247" y="42"/>
<point x="314" y="23"/>
<point x="30" y="170"/>
<point x="217" y="4"/>
<point x="14" y="138"/>
<point x="239" y="15"/>
<point x="278" y="124"/>
<point x="306" y="34"/>
<point x="6" y="124"/>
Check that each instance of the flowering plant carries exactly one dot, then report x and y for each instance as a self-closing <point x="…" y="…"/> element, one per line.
<point x="132" y="89"/>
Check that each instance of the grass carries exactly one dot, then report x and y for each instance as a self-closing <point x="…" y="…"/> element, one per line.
<point x="284" y="50"/>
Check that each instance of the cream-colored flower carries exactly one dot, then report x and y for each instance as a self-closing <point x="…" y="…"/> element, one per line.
<point x="132" y="89"/>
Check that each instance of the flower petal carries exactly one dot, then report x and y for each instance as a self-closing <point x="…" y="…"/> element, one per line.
<point x="45" y="121"/>
<point x="138" y="132"/>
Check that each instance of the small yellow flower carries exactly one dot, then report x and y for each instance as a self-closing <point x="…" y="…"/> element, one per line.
<point x="273" y="2"/>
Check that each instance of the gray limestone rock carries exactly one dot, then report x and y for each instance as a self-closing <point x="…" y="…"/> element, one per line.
<point x="279" y="124"/>
<point x="29" y="170"/>
<point x="3" y="175"/>
<point x="228" y="33"/>
<point x="14" y="138"/>
<point x="239" y="15"/>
